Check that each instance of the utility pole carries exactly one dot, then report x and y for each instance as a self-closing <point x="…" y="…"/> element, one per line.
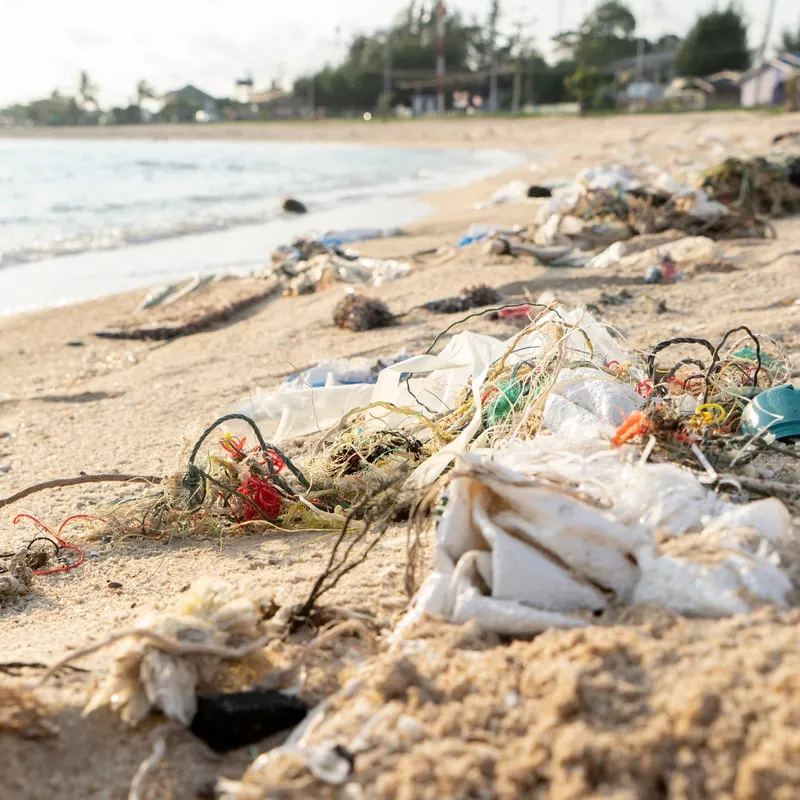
<point x="386" y="99"/>
<point x="762" y="53"/>
<point x="516" y="98"/>
<point x="640" y="44"/>
<point x="441" y="27"/>
<point x="387" y="68"/>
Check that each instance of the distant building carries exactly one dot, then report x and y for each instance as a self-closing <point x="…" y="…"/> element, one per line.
<point x="190" y="103"/>
<point x="652" y="68"/>
<point x="647" y="78"/>
<point x="279" y="104"/>
<point x="727" y="88"/>
<point x="689" y="93"/>
<point x="765" y="85"/>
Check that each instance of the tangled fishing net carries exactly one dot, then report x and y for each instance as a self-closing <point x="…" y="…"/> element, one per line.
<point x="699" y="399"/>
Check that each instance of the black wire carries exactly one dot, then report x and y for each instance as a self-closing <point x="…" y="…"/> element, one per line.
<point x="663" y="345"/>
<point x="715" y="356"/>
<point x="682" y="363"/>
<point x="44" y="539"/>
<point x="481" y="313"/>
<point x="265" y="447"/>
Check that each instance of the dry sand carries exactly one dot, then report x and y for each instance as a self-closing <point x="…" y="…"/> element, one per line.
<point x="132" y="407"/>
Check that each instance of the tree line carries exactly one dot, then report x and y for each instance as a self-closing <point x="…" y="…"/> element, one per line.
<point x="580" y="69"/>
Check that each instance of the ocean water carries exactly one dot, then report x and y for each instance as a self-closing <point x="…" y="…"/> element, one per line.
<point x="81" y="219"/>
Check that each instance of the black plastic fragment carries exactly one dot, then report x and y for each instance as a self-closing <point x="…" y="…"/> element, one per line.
<point x="228" y="721"/>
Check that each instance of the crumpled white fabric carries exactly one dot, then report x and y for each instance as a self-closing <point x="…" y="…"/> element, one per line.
<point x="543" y="533"/>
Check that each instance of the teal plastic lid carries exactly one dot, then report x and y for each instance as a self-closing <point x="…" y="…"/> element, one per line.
<point x="775" y="411"/>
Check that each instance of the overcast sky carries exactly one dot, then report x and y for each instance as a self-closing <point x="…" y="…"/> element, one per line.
<point x="45" y="43"/>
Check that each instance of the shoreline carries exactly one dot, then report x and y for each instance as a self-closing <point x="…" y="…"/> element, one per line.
<point x="508" y="133"/>
<point x="94" y="274"/>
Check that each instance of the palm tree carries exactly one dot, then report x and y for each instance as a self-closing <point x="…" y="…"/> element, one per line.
<point x="87" y="90"/>
<point x="144" y="91"/>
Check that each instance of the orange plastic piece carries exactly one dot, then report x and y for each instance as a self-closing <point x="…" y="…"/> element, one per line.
<point x="637" y="424"/>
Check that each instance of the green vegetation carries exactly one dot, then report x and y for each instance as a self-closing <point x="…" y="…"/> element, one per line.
<point x="717" y="41"/>
<point x="791" y="40"/>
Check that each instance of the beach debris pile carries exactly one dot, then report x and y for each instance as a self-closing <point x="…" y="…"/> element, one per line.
<point x="586" y="222"/>
<point x="313" y="263"/>
<point x="762" y="186"/>
<point x="564" y="375"/>
<point x="570" y="481"/>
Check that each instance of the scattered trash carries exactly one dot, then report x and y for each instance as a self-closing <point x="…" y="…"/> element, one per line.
<point x="38" y="555"/>
<point x="229" y="721"/>
<point x="338" y="238"/>
<point x="357" y="312"/>
<point x="323" y="271"/>
<point x="665" y="272"/>
<point x="757" y="185"/>
<point x="472" y="297"/>
<point x="547" y="255"/>
<point x="478" y="232"/>
<point x="786" y="136"/>
<point x="515" y="312"/>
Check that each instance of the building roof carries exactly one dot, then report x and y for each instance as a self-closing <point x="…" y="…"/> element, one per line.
<point x="785" y="63"/>
<point x="725" y="75"/>
<point x="680" y="85"/>
<point x="269" y="96"/>
<point x="661" y="60"/>
<point x="189" y="94"/>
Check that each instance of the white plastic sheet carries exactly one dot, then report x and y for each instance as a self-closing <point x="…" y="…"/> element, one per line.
<point x="547" y="532"/>
<point x="437" y="381"/>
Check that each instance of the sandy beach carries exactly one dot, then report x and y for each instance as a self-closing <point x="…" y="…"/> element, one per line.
<point x="71" y="402"/>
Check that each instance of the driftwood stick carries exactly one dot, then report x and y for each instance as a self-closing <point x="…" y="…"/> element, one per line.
<point x="59" y="482"/>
